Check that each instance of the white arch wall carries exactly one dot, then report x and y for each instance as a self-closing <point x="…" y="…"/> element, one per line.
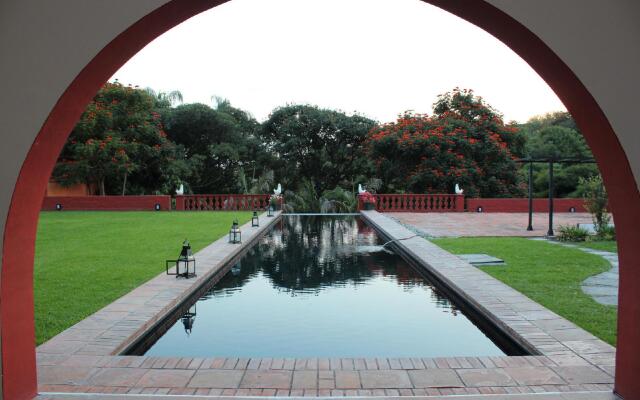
<point x="44" y="45"/>
<point x="599" y="40"/>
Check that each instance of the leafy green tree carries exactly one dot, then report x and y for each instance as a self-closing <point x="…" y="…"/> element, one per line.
<point x="119" y="142"/>
<point x="555" y="135"/>
<point x="464" y="142"/>
<point x="219" y="143"/>
<point x="321" y="146"/>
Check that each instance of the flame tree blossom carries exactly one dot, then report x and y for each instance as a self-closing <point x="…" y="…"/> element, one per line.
<point x="465" y="141"/>
<point x="120" y="141"/>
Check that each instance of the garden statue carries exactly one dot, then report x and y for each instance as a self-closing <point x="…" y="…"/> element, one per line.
<point x="361" y="189"/>
<point x="180" y="190"/>
<point x="458" y="190"/>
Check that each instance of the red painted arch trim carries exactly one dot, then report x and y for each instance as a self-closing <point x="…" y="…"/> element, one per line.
<point x="16" y="284"/>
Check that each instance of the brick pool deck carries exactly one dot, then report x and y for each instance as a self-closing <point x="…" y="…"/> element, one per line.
<point x="486" y="224"/>
<point x="570" y="361"/>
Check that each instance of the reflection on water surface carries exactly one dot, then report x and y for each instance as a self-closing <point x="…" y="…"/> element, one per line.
<point x="320" y="286"/>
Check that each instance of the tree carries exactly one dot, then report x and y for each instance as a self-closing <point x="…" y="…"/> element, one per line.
<point x="555" y="135"/>
<point x="316" y="145"/>
<point x="119" y="142"/>
<point x="219" y="143"/>
<point x="464" y="142"/>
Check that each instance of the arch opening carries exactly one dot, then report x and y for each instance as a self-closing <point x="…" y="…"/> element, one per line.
<point x="17" y="331"/>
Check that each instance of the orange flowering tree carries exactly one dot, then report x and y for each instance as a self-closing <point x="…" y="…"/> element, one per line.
<point x="119" y="141"/>
<point x="465" y="141"/>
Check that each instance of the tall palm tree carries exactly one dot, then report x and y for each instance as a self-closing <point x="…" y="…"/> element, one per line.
<point x="166" y="99"/>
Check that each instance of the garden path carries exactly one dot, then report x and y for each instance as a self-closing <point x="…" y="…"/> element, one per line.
<point x="603" y="287"/>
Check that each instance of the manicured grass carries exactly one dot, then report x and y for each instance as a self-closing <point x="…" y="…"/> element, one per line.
<point x="605" y="245"/>
<point x="86" y="260"/>
<point x="547" y="273"/>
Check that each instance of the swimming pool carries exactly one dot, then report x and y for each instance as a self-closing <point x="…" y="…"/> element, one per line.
<point x="323" y="286"/>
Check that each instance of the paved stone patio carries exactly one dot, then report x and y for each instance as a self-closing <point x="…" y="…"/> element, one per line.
<point x="485" y="224"/>
<point x="84" y="358"/>
<point x="512" y="396"/>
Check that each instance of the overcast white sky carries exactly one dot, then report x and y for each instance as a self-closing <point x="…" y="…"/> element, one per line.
<point x="377" y="57"/>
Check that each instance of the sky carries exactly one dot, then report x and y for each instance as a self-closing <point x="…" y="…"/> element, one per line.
<point x="375" y="57"/>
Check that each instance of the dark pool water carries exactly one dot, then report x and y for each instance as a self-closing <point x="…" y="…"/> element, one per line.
<point x="323" y="287"/>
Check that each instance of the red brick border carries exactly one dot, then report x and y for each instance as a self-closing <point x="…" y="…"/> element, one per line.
<point x="106" y="203"/>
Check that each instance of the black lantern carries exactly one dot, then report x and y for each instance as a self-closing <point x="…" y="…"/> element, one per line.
<point x="270" y="211"/>
<point x="235" y="236"/>
<point x="479" y="209"/>
<point x="185" y="264"/>
<point x="157" y="207"/>
<point x="189" y="318"/>
<point x="58" y="206"/>
<point x="254" y="220"/>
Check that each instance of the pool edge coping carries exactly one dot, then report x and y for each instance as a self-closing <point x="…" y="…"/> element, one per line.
<point x="519" y="324"/>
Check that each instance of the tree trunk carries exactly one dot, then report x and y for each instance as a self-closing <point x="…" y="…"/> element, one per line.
<point x="124" y="184"/>
<point x="101" y="184"/>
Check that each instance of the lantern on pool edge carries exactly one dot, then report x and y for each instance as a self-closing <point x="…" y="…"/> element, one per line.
<point x="185" y="264"/>
<point x="188" y="318"/>
<point x="254" y="220"/>
<point x="270" y="211"/>
<point x="235" y="236"/>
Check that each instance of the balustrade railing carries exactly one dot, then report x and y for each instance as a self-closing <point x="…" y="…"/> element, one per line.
<point x="418" y="203"/>
<point x="222" y="202"/>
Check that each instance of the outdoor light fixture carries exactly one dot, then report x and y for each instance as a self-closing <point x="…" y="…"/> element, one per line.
<point x="157" y="207"/>
<point x="270" y="211"/>
<point x="188" y="318"/>
<point x="572" y="209"/>
<point x="479" y="209"/>
<point x="235" y="236"/>
<point x="254" y="220"/>
<point x="183" y="263"/>
<point x="58" y="206"/>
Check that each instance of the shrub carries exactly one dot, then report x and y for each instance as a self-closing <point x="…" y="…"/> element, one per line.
<point x="606" y="233"/>
<point x="596" y="201"/>
<point x="572" y="234"/>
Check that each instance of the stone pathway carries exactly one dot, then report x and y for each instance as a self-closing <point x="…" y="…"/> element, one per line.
<point x="604" y="286"/>
<point x="454" y="224"/>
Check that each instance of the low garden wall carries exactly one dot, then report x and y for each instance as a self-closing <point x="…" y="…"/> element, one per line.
<point x="518" y="205"/>
<point x="222" y="202"/>
<point x="107" y="203"/>
<point x="386" y="203"/>
<point x="424" y="203"/>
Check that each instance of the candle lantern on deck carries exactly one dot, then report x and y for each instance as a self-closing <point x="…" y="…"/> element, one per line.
<point x="235" y="236"/>
<point x="188" y="319"/>
<point x="270" y="211"/>
<point x="185" y="264"/>
<point x="254" y="220"/>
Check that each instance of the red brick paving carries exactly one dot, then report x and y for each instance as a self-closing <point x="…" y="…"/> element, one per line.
<point x="486" y="224"/>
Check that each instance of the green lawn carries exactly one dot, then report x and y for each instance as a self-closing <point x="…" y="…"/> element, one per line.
<point x="605" y="245"/>
<point x="547" y="273"/>
<point x="86" y="260"/>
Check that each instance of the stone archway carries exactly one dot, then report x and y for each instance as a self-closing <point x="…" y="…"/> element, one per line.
<point x="19" y="379"/>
